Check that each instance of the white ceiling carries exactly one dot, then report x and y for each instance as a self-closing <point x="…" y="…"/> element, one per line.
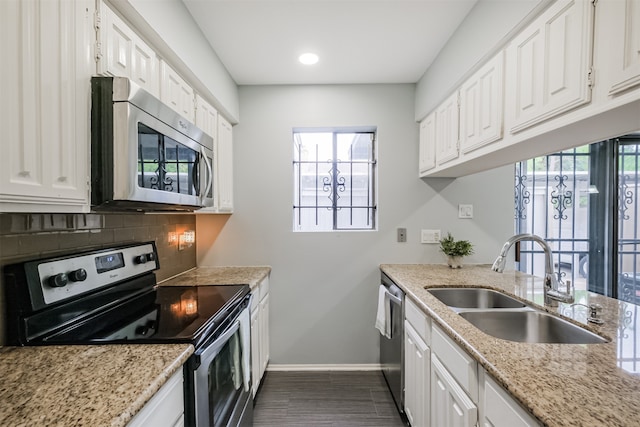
<point x="358" y="41"/>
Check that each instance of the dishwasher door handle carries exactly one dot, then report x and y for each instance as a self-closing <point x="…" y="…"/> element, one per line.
<point x="394" y="299"/>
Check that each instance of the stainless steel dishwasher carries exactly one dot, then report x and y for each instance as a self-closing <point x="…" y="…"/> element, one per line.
<point x="392" y="349"/>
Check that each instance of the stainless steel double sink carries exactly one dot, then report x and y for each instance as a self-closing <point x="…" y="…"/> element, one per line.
<point x="502" y="316"/>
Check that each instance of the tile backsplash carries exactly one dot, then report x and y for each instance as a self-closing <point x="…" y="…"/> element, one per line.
<point x="30" y="236"/>
<point x="26" y="236"/>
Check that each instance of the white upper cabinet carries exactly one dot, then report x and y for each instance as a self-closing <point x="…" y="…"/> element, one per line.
<point x="428" y="143"/>
<point x="224" y="165"/>
<point x="549" y="64"/>
<point x="447" y="117"/>
<point x="206" y="117"/>
<point x="45" y="47"/>
<point x="176" y="92"/>
<point x="625" y="45"/>
<point x="482" y="106"/>
<point x="121" y="52"/>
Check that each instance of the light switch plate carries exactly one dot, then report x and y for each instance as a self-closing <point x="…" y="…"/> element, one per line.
<point x="430" y="236"/>
<point x="465" y="211"/>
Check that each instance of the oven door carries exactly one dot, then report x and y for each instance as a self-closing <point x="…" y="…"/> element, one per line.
<point x="222" y="382"/>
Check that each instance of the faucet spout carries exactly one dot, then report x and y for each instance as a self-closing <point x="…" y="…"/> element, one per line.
<point x="551" y="287"/>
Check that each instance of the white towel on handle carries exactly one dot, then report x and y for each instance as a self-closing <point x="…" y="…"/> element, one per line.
<point x="383" y="317"/>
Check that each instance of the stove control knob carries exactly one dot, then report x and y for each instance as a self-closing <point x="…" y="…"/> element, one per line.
<point x="140" y="259"/>
<point x="58" y="281"/>
<point x="151" y="256"/>
<point x="79" y="275"/>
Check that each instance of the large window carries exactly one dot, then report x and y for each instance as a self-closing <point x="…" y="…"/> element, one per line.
<point x="334" y="174"/>
<point x="584" y="202"/>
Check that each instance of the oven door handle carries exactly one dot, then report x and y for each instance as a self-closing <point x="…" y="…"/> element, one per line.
<point x="210" y="178"/>
<point x="207" y="354"/>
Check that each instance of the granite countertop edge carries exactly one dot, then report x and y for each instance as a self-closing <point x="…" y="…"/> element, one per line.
<point x="223" y="275"/>
<point x="145" y="395"/>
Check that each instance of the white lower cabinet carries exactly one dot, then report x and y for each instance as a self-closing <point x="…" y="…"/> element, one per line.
<point x="499" y="409"/>
<point x="259" y="332"/>
<point x="450" y="405"/>
<point x="446" y="387"/>
<point x="417" y="368"/>
<point x="166" y="407"/>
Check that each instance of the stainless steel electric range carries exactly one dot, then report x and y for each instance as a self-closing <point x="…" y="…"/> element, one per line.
<point x="110" y="296"/>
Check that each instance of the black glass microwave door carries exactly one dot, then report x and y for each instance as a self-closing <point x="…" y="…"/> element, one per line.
<point x="166" y="165"/>
<point x="225" y="381"/>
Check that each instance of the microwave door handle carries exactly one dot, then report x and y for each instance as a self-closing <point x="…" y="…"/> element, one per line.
<point x="210" y="172"/>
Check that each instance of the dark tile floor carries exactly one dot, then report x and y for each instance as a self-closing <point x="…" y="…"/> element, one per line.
<point x="337" y="399"/>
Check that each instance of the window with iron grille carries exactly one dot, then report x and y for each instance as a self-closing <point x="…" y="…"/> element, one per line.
<point x="334" y="174"/>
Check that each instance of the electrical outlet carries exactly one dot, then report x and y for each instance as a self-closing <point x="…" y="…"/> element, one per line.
<point x="430" y="236"/>
<point x="465" y="211"/>
<point x="402" y="235"/>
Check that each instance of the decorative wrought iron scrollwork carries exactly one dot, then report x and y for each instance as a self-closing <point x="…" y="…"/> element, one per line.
<point x="561" y="198"/>
<point x="328" y="184"/>
<point x="625" y="197"/>
<point x="522" y="196"/>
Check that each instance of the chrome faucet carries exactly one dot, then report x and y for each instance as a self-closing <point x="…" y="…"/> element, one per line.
<point x="552" y="291"/>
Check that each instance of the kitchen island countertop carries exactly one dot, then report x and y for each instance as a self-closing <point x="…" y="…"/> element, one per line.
<point x="83" y="385"/>
<point x="560" y="384"/>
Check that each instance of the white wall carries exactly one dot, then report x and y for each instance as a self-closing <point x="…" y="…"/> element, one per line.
<point x="169" y="22"/>
<point x="484" y="28"/>
<point x="324" y="285"/>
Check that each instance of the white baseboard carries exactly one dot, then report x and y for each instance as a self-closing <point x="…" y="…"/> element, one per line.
<point x="308" y="368"/>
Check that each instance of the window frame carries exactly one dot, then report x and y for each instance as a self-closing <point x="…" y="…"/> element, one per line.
<point x="333" y="179"/>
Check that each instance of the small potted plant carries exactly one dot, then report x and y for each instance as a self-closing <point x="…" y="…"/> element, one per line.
<point x="455" y="250"/>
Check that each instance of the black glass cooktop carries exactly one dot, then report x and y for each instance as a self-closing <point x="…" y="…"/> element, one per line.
<point x="156" y="315"/>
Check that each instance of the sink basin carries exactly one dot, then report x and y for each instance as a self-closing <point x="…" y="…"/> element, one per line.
<point x="530" y="326"/>
<point x="474" y="298"/>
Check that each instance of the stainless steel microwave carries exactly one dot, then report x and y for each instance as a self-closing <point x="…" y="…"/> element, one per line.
<point x="145" y="156"/>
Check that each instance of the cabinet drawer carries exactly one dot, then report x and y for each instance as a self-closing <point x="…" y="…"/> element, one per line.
<point x="500" y="409"/>
<point x="418" y="320"/>
<point x="459" y="364"/>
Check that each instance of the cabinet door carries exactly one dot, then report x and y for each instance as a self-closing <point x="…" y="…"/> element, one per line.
<point x="417" y="368"/>
<point x="500" y="410"/>
<point x="450" y="406"/>
<point x="428" y="143"/>
<point x="45" y="113"/>
<point x="255" y="348"/>
<point x="625" y="37"/>
<point x="123" y="53"/>
<point x="206" y="117"/>
<point x="549" y="64"/>
<point x="225" y="165"/>
<point x="264" y="334"/>
<point x="166" y="407"/>
<point x="176" y="93"/>
<point x="447" y="117"/>
<point x="481" y="106"/>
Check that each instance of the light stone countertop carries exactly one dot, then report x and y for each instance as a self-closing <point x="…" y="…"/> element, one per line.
<point x="560" y="384"/>
<point x="203" y="276"/>
<point x="84" y="385"/>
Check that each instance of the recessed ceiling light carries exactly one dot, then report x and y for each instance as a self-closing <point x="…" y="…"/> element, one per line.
<point x="308" y="58"/>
